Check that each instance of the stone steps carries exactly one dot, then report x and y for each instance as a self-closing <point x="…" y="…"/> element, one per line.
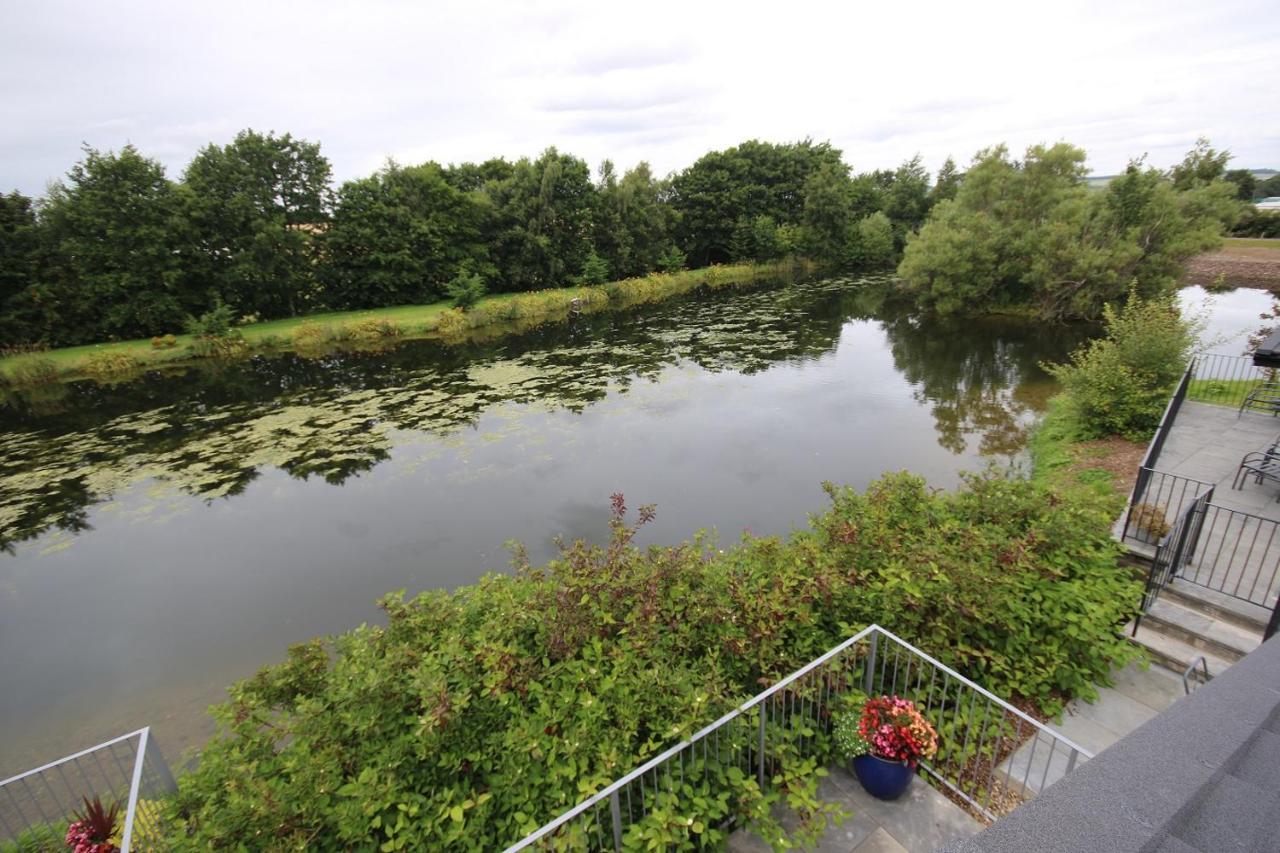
<point x="1186" y="623"/>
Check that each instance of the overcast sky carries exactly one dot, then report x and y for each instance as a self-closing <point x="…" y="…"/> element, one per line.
<point x="635" y="81"/>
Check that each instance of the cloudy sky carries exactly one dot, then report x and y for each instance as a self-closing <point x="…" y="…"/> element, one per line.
<point x="663" y="82"/>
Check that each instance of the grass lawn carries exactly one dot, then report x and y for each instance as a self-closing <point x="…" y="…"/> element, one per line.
<point x="411" y="321"/>
<point x="415" y="320"/>
<point x="1252" y="246"/>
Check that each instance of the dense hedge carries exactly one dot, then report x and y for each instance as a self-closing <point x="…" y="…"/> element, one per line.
<point x="475" y="716"/>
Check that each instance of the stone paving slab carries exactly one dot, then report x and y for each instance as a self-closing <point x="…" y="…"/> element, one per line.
<point x="922" y="821"/>
<point x="1137" y="697"/>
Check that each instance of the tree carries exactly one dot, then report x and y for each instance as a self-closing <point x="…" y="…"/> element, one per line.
<point x="398" y="237"/>
<point x="725" y="188"/>
<point x="256" y="206"/>
<point x="1030" y="234"/>
<point x="755" y="239"/>
<point x="632" y="222"/>
<point x="906" y="201"/>
<point x="540" y="225"/>
<point x="114" y="229"/>
<point x="946" y="184"/>
<point x="24" y="298"/>
<point x="1245" y="183"/>
<point x="875" y="241"/>
<point x="1202" y="165"/>
<point x="828" y="211"/>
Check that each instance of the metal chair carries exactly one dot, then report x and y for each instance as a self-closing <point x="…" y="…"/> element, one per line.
<point x="1264" y="398"/>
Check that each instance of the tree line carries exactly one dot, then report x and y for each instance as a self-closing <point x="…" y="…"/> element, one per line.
<point x="119" y="250"/>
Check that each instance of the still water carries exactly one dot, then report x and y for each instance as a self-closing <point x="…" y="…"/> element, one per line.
<point x="166" y="536"/>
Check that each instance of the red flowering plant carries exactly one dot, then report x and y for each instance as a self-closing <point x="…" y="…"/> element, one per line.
<point x="93" y="830"/>
<point x="895" y="730"/>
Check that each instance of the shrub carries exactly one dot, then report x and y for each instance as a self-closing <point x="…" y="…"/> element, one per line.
<point x="1151" y="519"/>
<point x="451" y="323"/>
<point x="475" y="716"/>
<point x="105" y="366"/>
<point x="213" y="323"/>
<point x="311" y="336"/>
<point x="672" y="259"/>
<point x="33" y="371"/>
<point x="372" y="330"/>
<point x="213" y="334"/>
<point x="595" y="270"/>
<point x="465" y="290"/>
<point x="1120" y="384"/>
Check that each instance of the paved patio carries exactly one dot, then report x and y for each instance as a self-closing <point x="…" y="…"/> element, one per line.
<point x="1207" y="443"/>
<point x="924" y="820"/>
<point x="921" y="822"/>
<point x="1238" y="550"/>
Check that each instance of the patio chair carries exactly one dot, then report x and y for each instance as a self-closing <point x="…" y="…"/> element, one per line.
<point x="1263" y="398"/>
<point x="1261" y="465"/>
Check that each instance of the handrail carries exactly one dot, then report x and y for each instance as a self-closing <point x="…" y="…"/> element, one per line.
<point x="873" y="632"/>
<point x="1186" y="673"/>
<point x="657" y="760"/>
<point x="81" y="754"/>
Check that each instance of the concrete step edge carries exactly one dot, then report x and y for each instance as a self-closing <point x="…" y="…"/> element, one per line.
<point x="1173" y="654"/>
<point x="1191" y="638"/>
<point x="1215" y="609"/>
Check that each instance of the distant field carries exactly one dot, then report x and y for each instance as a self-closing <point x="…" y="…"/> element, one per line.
<point x="1252" y="247"/>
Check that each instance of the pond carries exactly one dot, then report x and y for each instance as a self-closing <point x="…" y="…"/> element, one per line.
<point x="166" y="536"/>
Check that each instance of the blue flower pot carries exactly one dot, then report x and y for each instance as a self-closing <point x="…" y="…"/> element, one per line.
<point x="883" y="779"/>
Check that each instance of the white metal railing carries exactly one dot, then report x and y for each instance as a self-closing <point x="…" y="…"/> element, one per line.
<point x="987" y="748"/>
<point x="128" y="771"/>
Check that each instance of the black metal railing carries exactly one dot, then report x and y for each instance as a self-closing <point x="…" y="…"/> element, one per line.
<point x="1166" y="423"/>
<point x="1175" y="550"/>
<point x="1158" y="501"/>
<point x="1225" y="380"/>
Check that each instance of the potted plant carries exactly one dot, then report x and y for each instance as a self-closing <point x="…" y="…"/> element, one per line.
<point x="94" y="829"/>
<point x="884" y="738"/>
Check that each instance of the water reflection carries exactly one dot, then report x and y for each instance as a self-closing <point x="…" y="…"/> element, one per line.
<point x="170" y="534"/>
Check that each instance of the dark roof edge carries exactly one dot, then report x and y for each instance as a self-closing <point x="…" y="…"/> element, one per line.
<point x="1133" y="791"/>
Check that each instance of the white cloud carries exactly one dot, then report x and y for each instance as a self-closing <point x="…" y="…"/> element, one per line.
<point x="660" y="81"/>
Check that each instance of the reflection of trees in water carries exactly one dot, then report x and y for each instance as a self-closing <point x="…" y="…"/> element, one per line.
<point x="209" y="430"/>
<point x="980" y="376"/>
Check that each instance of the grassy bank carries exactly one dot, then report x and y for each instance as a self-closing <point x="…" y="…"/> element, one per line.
<point x="498" y="314"/>
<point x="1062" y="457"/>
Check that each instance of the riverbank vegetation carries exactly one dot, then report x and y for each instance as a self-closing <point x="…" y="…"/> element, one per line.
<point x="1031" y="235"/>
<point x="1114" y="392"/>
<point x="216" y="335"/>
<point x="118" y="250"/>
<point x="475" y="716"/>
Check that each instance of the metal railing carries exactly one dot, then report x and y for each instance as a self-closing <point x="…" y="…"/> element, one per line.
<point x="1157" y="502"/>
<point x="1174" y="552"/>
<point x="1237" y="554"/>
<point x="37" y="806"/>
<point x="976" y="759"/>
<point x="1225" y="380"/>
<point x="1171" y="410"/>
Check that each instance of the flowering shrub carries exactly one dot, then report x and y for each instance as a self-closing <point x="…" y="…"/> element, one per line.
<point x="896" y="730"/>
<point x="92" y="831"/>
<point x="846" y="734"/>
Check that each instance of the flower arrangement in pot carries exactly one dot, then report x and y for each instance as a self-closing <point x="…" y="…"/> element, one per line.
<point x="884" y="738"/>
<point x="95" y="830"/>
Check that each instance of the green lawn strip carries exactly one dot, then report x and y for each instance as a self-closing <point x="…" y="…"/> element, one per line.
<point x="1252" y="243"/>
<point x="1056" y="456"/>
<point x="414" y="321"/>
<point x="1221" y="392"/>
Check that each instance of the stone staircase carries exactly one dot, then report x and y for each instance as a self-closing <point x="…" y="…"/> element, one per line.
<point x="1188" y="622"/>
